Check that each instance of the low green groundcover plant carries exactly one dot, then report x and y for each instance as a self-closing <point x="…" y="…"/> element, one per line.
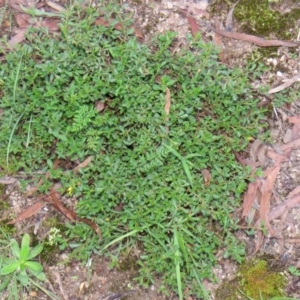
<point x="18" y="270"/>
<point x="144" y="186"/>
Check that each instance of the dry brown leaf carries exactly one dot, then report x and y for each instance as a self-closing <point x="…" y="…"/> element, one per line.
<point x="18" y="38"/>
<point x="207" y="177"/>
<point x="250" y="196"/>
<point x="254" y="150"/>
<point x="83" y="164"/>
<point x="28" y="212"/>
<point x="292" y="145"/>
<point x="242" y="161"/>
<point x="294" y="120"/>
<point x="294" y="241"/>
<point x="218" y="42"/>
<point x="255" y="40"/>
<point x="296" y="127"/>
<point x="99" y="105"/>
<point x="50" y="23"/>
<point x="294" y="192"/>
<point x="285" y="85"/>
<point x="93" y="225"/>
<point x="202" y="12"/>
<point x="267" y="191"/>
<point x="56" y="6"/>
<point x="258" y="242"/>
<point x="54" y="197"/>
<point x="193" y="24"/>
<point x="54" y="200"/>
<point x="22" y="20"/>
<point x="8" y="180"/>
<point x="59" y="282"/>
<point x="15" y="4"/>
<point x="168" y="102"/>
<point x="286" y="205"/>
<point x="282" y="223"/>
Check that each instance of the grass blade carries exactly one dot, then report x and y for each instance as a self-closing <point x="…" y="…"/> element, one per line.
<point x="16" y="80"/>
<point x="48" y="293"/>
<point x="10" y="139"/>
<point x="177" y="265"/>
<point x="120" y="238"/>
<point x="29" y="132"/>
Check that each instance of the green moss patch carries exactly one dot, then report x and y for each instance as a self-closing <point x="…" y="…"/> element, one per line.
<point x="259" y="18"/>
<point x="256" y="280"/>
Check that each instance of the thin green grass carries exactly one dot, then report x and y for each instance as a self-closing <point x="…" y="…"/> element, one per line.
<point x="10" y="140"/>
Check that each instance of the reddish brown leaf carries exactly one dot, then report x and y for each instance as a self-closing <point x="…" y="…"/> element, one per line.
<point x="292" y="145"/>
<point x="168" y="101"/>
<point x="56" y="6"/>
<point x="193" y="24"/>
<point x="15" y="4"/>
<point x="267" y="190"/>
<point x="22" y="20"/>
<point x="18" y="38"/>
<point x="250" y="196"/>
<point x="28" y="212"/>
<point x="54" y="200"/>
<point x="285" y="85"/>
<point x="83" y="164"/>
<point x="286" y="205"/>
<point x="202" y="12"/>
<point x="218" y="42"/>
<point x="294" y="120"/>
<point x="255" y="40"/>
<point x="50" y="23"/>
<point x="294" y="192"/>
<point x="93" y="225"/>
<point x="296" y="127"/>
<point x="258" y="242"/>
<point x="242" y="161"/>
<point x="207" y="176"/>
<point x="70" y="214"/>
<point x="99" y="105"/>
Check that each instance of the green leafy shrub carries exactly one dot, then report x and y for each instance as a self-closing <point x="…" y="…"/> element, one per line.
<point x="145" y="162"/>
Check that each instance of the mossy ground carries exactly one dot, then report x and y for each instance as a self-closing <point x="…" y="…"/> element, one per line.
<point x="255" y="279"/>
<point x="260" y="17"/>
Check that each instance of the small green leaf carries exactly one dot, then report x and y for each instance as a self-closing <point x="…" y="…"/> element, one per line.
<point x="24" y="253"/>
<point x="5" y="282"/>
<point x="15" y="248"/>
<point x="187" y="171"/>
<point x="39" y="275"/>
<point x="23" y="279"/>
<point x="35" y="251"/>
<point x="9" y="268"/>
<point x="34" y="266"/>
